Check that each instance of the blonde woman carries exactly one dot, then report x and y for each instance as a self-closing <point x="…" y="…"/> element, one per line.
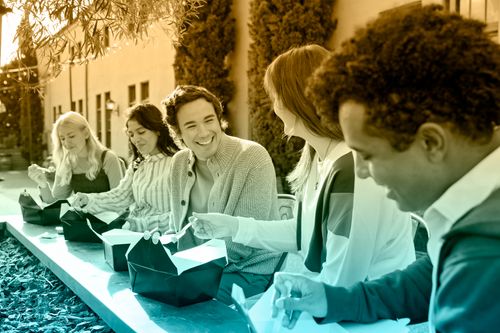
<point x="82" y="163"/>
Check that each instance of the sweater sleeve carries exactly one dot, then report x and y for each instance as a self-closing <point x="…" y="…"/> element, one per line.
<point x="117" y="199"/>
<point x="113" y="169"/>
<point x="270" y="235"/>
<point x="258" y="197"/>
<point x="400" y="294"/>
<point x="467" y="297"/>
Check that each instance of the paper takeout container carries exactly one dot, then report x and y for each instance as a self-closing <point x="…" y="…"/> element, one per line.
<point x="75" y="227"/>
<point x="179" y="279"/>
<point x="116" y="243"/>
<point x="37" y="212"/>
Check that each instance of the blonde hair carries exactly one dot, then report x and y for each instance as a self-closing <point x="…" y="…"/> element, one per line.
<point x="285" y="80"/>
<point x="63" y="160"/>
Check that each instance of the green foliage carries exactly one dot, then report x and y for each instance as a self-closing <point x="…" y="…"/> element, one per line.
<point x="203" y="51"/>
<point x="125" y="19"/>
<point x="276" y="26"/>
<point x="23" y="118"/>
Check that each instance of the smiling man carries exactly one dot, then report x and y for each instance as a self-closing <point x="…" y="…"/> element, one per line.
<point x="221" y="174"/>
<point x="417" y="95"/>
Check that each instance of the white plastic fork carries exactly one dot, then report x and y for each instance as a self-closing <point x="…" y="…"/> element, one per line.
<point x="181" y="232"/>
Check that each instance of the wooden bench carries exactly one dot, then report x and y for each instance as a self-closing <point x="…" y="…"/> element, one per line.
<point x="82" y="268"/>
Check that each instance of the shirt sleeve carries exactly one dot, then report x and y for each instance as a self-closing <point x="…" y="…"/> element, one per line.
<point x="113" y="169"/>
<point x="117" y="199"/>
<point x="400" y="294"/>
<point x="467" y="297"/>
<point x="271" y="235"/>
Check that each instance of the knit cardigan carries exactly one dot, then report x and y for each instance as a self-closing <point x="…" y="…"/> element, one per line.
<point x="244" y="185"/>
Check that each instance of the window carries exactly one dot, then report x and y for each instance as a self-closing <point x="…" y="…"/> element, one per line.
<point x="131" y="95"/>
<point x="145" y="91"/>
<point x="54" y="113"/>
<point x="73" y="106"/>
<point x="107" y="115"/>
<point x="78" y="54"/>
<point x="80" y="106"/>
<point x="98" y="108"/>
<point x="105" y="41"/>
<point x="483" y="10"/>
<point x="60" y="110"/>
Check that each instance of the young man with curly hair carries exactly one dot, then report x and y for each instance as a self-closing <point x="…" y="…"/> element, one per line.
<point x="418" y="98"/>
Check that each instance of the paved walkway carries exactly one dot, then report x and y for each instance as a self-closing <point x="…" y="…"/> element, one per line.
<point x="14" y="182"/>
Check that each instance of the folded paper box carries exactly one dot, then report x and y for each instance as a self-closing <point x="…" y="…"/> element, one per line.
<point x="116" y="243"/>
<point x="37" y="212"/>
<point x="75" y="225"/>
<point x="259" y="319"/>
<point x="179" y="279"/>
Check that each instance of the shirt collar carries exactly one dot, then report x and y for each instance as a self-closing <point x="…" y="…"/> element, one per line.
<point x="155" y="157"/>
<point x="470" y="190"/>
<point x="466" y="193"/>
<point x="222" y="157"/>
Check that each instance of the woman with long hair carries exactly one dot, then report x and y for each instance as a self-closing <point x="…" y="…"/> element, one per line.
<point x="82" y="162"/>
<point x="345" y="230"/>
<point x="144" y="187"/>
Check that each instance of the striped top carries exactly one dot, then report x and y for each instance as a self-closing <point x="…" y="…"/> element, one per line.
<point x="143" y="190"/>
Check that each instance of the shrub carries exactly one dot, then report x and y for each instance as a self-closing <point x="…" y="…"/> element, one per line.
<point x="276" y="26"/>
<point x="204" y="48"/>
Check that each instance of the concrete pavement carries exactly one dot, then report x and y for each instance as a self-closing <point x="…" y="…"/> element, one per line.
<point x="14" y="182"/>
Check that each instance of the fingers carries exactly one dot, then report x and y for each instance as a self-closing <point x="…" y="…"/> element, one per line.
<point x="277" y="295"/>
<point x="290" y="319"/>
<point x="201" y="227"/>
<point x="156" y="237"/>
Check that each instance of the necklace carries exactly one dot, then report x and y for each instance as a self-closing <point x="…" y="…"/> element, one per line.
<point x="320" y="162"/>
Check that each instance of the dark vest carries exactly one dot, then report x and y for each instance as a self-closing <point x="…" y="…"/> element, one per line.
<point x="80" y="183"/>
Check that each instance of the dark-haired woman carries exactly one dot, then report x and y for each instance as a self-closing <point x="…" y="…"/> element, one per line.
<point x="144" y="186"/>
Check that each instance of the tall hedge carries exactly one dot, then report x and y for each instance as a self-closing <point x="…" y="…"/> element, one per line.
<point x="202" y="54"/>
<point x="275" y="27"/>
<point x="23" y="119"/>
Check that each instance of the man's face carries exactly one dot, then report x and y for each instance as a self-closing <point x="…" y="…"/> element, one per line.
<point x="200" y="129"/>
<point x="407" y="175"/>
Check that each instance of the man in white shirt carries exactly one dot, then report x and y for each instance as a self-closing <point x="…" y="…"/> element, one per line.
<point x="417" y="95"/>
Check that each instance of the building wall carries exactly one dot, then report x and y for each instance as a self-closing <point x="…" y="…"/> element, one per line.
<point x="126" y="64"/>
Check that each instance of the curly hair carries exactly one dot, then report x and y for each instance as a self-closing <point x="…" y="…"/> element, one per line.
<point x="184" y="94"/>
<point x="151" y="118"/>
<point x="427" y="65"/>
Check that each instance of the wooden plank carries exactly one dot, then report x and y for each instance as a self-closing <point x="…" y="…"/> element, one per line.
<point x="81" y="266"/>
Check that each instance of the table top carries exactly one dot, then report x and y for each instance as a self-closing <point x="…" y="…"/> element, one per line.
<point x="81" y="266"/>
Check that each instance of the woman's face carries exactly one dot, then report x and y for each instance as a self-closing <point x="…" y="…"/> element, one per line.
<point x="142" y="138"/>
<point x="73" y="138"/>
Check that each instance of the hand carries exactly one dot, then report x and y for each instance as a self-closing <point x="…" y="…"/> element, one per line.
<point x="80" y="200"/>
<point x="214" y="225"/>
<point x="296" y="293"/>
<point x="153" y="234"/>
<point x="37" y="173"/>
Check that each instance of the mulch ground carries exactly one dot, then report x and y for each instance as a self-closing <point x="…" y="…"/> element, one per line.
<point x="33" y="299"/>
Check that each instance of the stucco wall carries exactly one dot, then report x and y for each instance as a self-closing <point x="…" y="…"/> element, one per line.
<point x="126" y="64"/>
